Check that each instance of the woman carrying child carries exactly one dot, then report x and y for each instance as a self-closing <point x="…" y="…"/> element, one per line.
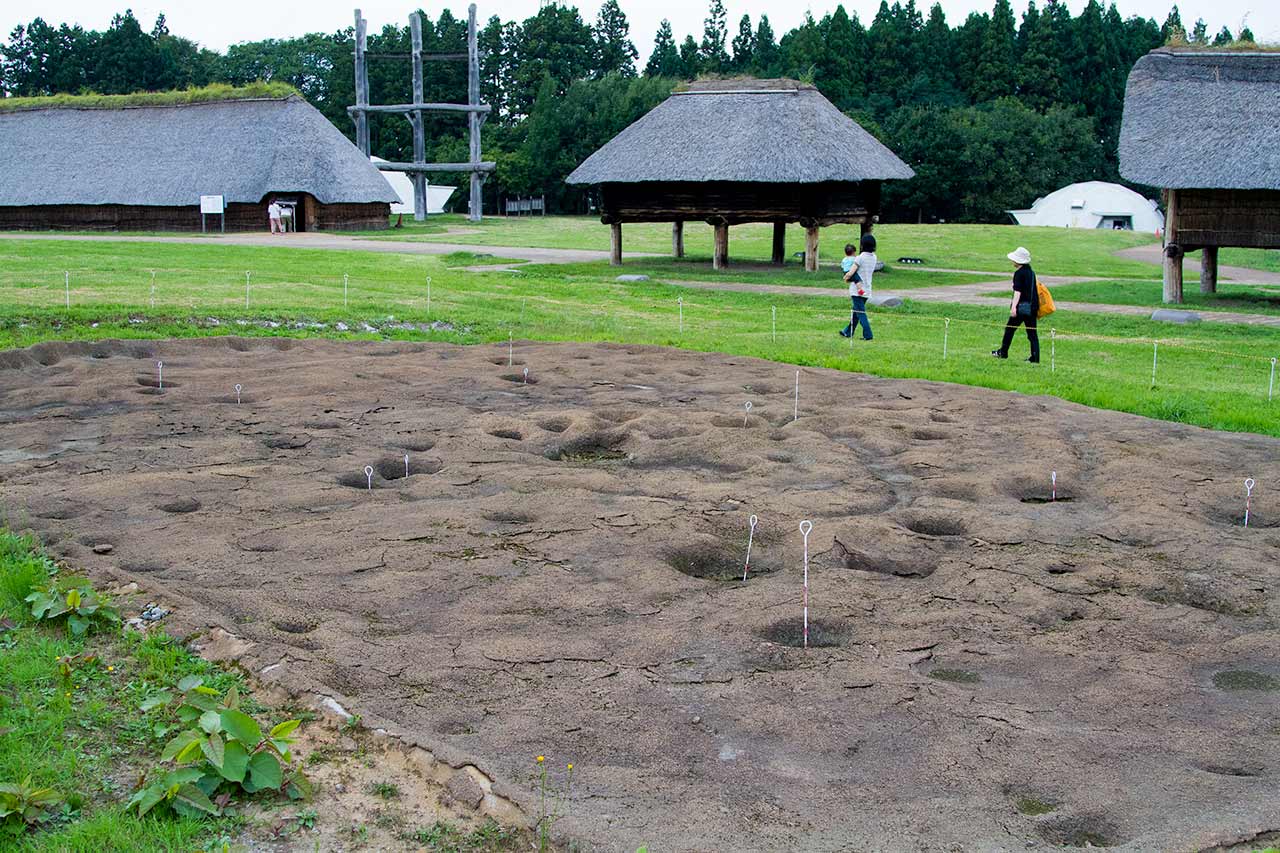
<point x="858" y="271"/>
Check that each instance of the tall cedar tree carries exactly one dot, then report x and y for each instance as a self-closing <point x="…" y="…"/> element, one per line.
<point x="715" y="35"/>
<point x="744" y="47"/>
<point x="665" y="59"/>
<point x="996" y="73"/>
<point x="840" y="71"/>
<point x="615" y="54"/>
<point x="690" y="59"/>
<point x="767" y="55"/>
<point x="1173" y="30"/>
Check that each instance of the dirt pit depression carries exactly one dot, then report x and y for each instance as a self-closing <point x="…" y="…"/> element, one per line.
<point x="559" y="572"/>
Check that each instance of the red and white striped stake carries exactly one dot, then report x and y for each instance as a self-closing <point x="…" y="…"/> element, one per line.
<point x="160" y="375"/>
<point x="795" y="412"/>
<point x="1248" y="498"/>
<point x="805" y="527"/>
<point x="751" y="535"/>
<point x="1053" y="480"/>
<point x="368" y="475"/>
<point x="747" y="414"/>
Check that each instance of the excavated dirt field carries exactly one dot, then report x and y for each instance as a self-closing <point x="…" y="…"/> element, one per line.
<point x="560" y="574"/>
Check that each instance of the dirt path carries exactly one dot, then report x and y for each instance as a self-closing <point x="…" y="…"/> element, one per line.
<point x="560" y="574"/>
<point x="1191" y="268"/>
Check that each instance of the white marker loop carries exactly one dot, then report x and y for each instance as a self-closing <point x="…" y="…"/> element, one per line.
<point x="368" y="473"/>
<point x="1248" y="498"/>
<point x="406" y="464"/>
<point x="237" y="393"/>
<point x="160" y="374"/>
<point x="751" y="535"/>
<point x="747" y="414"/>
<point x="526" y="376"/>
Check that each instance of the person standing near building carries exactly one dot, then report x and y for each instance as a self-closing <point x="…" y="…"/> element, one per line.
<point x="858" y="272"/>
<point x="273" y="213"/>
<point x="1025" y="306"/>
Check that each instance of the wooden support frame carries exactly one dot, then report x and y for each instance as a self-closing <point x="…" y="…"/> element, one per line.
<point x="474" y="117"/>
<point x="779" y="243"/>
<point x="811" y="248"/>
<point x="615" y="244"/>
<point x="1209" y="269"/>
<point x="415" y="120"/>
<point x="677" y="238"/>
<point x="1172" y="251"/>
<point x="362" y="84"/>
<point x="720" y="251"/>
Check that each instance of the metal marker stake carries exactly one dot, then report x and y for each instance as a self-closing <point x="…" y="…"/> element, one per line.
<point x="67" y="279"/>
<point x="805" y="527"/>
<point x="946" y="330"/>
<point x="774" y="309"/>
<point x="344" y="290"/>
<point x="160" y="375"/>
<point x="853" y="317"/>
<point x="751" y="535"/>
<point x="1053" y="365"/>
<point x="511" y="351"/>
<point x="1155" y="359"/>
<point x="1053" y="480"/>
<point x="368" y="474"/>
<point x="246" y="289"/>
<point x="522" y="301"/>
<point x="680" y="306"/>
<point x="1272" y="386"/>
<point x="748" y="413"/>
<point x="428" y="297"/>
<point x="153" y="290"/>
<point x="795" y="412"/>
<point x="237" y="393"/>
<point x="1248" y="498"/>
<point x="406" y="464"/>
<point x="526" y="376"/>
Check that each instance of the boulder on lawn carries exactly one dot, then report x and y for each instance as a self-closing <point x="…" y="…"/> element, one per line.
<point x="1169" y="315"/>
<point x="632" y="278"/>
<point x="885" y="300"/>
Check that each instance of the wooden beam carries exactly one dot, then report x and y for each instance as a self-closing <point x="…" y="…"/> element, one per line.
<point x="415" y="119"/>
<point x="1209" y="269"/>
<point x="615" y="244"/>
<point x="361" y="84"/>
<point x="720" y="255"/>
<point x="1172" y="251"/>
<point x="779" y="242"/>
<point x="811" y="248"/>
<point x="677" y="238"/>
<point x="864" y="228"/>
<point x="419" y="107"/>
<point x="437" y="167"/>
<point x="476" y="203"/>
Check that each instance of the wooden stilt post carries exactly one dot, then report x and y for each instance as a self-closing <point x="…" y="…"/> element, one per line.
<point x="415" y="120"/>
<point x="362" y="85"/>
<point x="474" y="119"/>
<point x="1209" y="269"/>
<point x="615" y="244"/>
<point x="677" y="238"/>
<point x="864" y="228"/>
<point x="1172" y="251"/>
<point x="779" y="242"/>
<point x="720" y="256"/>
<point x="811" y="248"/>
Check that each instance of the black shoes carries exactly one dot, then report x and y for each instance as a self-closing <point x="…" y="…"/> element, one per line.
<point x="999" y="354"/>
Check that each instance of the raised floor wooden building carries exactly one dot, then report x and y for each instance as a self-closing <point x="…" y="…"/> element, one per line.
<point x="745" y="150"/>
<point x="144" y="167"/>
<point x="1205" y="127"/>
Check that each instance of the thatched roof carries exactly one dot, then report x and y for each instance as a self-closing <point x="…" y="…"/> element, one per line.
<point x="743" y="130"/>
<point x="171" y="155"/>
<point x="1206" y="120"/>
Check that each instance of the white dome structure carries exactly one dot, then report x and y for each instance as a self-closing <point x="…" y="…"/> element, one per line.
<point x="437" y="194"/>
<point x="1094" y="204"/>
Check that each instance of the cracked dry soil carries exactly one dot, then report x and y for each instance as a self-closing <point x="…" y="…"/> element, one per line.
<point x="558" y="575"/>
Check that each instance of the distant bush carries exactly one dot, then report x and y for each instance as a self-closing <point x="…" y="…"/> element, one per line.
<point x="193" y="95"/>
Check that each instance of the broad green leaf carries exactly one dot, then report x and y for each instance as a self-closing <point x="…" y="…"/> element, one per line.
<point x="264" y="773"/>
<point x="200" y="700"/>
<point x="213" y="749"/>
<point x="285" y="728"/>
<point x="232" y="699"/>
<point x="74" y="598"/>
<point x="190" y="795"/>
<point x="145" y="800"/>
<point x="190" y="752"/>
<point x="282" y="747"/>
<point x="191" y="682"/>
<point x="207" y="691"/>
<point x="77" y="624"/>
<point x="179" y="743"/>
<point x="210" y="721"/>
<point x="235" y="760"/>
<point x="182" y="776"/>
<point x="164" y="697"/>
<point x="241" y="726"/>
<point x="299" y="788"/>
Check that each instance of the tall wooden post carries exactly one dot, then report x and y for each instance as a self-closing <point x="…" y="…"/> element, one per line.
<point x="779" y="242"/>
<point x="864" y="228"/>
<point x="720" y="254"/>
<point x="415" y="119"/>
<point x="474" y="119"/>
<point x="362" y="85"/>
<point x="1209" y="269"/>
<point x="615" y="244"/>
<point x="677" y="238"/>
<point x="1172" y="251"/>
<point x="811" y="248"/>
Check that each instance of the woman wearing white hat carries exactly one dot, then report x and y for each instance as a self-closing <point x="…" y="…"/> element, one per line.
<point x="1024" y="307"/>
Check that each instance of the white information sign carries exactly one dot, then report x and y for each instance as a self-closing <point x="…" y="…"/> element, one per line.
<point x="211" y="204"/>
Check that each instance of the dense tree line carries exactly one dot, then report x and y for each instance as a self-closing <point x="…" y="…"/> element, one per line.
<point x="991" y="112"/>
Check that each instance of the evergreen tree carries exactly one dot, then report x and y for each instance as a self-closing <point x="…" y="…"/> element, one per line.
<point x="1173" y="29"/>
<point x="665" y="59"/>
<point x="803" y="49"/>
<point x="715" y="35"/>
<point x="615" y="54"/>
<point x="937" y="54"/>
<point x="838" y="75"/>
<point x="996" y="73"/>
<point x="1223" y="37"/>
<point x="554" y="43"/>
<point x="1040" y="68"/>
<point x="767" y="54"/>
<point x="744" y="46"/>
<point x="127" y="59"/>
<point x="690" y="59"/>
<point x="1200" y="32"/>
<point x="1246" y="35"/>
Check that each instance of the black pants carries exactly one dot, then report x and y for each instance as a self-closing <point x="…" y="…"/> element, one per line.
<point x="1032" y="336"/>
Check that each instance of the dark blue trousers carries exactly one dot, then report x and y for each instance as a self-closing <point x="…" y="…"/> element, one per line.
<point x="859" y="318"/>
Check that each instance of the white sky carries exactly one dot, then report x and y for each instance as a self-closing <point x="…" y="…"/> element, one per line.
<point x="219" y="24"/>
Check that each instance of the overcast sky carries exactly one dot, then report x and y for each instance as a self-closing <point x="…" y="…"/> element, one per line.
<point x="225" y="22"/>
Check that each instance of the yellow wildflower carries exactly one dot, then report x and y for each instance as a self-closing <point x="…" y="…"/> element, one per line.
<point x="541" y="758"/>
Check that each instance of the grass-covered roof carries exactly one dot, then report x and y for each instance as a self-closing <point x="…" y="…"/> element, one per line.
<point x="194" y="95"/>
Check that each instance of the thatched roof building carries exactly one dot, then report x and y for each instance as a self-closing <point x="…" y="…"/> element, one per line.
<point x="145" y="167"/>
<point x="1205" y="127"/>
<point x="745" y="150"/>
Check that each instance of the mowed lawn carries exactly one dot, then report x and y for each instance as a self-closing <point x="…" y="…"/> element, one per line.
<point x="1212" y="375"/>
<point x="1055" y="251"/>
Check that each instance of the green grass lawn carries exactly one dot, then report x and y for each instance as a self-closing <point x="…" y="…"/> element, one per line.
<point x="1055" y="251"/>
<point x="1251" y="299"/>
<point x="83" y="734"/>
<point x="200" y="291"/>
<point x="1254" y="259"/>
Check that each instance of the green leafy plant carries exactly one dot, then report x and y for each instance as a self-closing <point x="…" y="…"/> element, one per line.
<point x="83" y="607"/>
<point x="220" y="753"/>
<point x="385" y="790"/>
<point x="551" y="808"/>
<point x="23" y="805"/>
<point x="306" y="819"/>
